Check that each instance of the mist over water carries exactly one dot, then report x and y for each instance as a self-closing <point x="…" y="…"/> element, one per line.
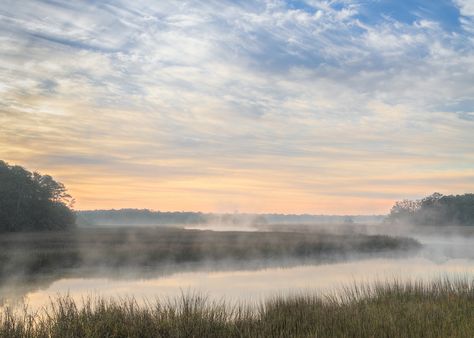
<point x="256" y="285"/>
<point x="240" y="151"/>
<point x="446" y="252"/>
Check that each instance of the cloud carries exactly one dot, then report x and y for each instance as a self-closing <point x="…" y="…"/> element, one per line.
<point x="466" y="7"/>
<point x="260" y="97"/>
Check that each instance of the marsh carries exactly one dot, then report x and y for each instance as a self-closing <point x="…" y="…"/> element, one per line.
<point x="145" y="251"/>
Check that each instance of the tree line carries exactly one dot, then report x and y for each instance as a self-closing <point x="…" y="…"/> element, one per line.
<point x="149" y="217"/>
<point x="436" y="209"/>
<point x="30" y="201"/>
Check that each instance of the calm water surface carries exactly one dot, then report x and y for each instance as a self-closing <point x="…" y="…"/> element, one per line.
<point x="441" y="257"/>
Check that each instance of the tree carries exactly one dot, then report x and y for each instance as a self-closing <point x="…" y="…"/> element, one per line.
<point x="30" y="201"/>
<point x="403" y="211"/>
<point x="348" y="220"/>
<point x="436" y="209"/>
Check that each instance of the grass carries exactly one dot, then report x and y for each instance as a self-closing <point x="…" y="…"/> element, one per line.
<point x="442" y="308"/>
<point x="32" y="254"/>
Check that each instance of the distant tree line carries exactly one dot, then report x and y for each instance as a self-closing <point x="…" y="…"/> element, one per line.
<point x="436" y="209"/>
<point x="149" y="217"/>
<point x="30" y="201"/>
<point x="138" y="217"/>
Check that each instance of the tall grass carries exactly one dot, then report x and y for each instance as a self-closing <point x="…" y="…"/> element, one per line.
<point x="443" y="308"/>
<point x="33" y="255"/>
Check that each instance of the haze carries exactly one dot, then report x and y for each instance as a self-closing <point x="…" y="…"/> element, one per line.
<point x="335" y="107"/>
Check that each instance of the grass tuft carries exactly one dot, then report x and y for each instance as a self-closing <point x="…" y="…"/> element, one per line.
<point x="442" y="308"/>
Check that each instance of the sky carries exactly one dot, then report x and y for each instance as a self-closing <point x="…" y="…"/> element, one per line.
<point x="311" y="106"/>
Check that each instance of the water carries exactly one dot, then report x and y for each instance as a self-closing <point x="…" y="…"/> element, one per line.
<point x="255" y="285"/>
<point x="449" y="256"/>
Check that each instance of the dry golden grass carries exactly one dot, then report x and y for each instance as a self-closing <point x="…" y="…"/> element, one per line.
<point x="442" y="308"/>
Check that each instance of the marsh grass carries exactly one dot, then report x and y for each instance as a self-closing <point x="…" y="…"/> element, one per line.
<point x="31" y="255"/>
<point x="442" y="308"/>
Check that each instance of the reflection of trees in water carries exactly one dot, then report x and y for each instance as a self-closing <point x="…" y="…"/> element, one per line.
<point x="14" y="291"/>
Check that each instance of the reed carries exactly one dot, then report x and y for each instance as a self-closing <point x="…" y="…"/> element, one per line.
<point x="33" y="255"/>
<point x="442" y="308"/>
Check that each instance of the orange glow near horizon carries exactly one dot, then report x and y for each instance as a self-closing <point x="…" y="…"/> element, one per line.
<point x="263" y="107"/>
<point x="246" y="191"/>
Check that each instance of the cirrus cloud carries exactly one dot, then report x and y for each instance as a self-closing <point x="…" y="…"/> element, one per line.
<point x="309" y="106"/>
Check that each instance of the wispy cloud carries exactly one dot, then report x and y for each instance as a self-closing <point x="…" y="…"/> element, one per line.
<point x="309" y="106"/>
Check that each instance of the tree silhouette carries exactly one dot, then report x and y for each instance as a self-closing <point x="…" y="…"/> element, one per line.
<point x="436" y="209"/>
<point x="31" y="201"/>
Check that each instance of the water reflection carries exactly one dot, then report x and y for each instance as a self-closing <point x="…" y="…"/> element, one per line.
<point x="252" y="281"/>
<point x="252" y="286"/>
